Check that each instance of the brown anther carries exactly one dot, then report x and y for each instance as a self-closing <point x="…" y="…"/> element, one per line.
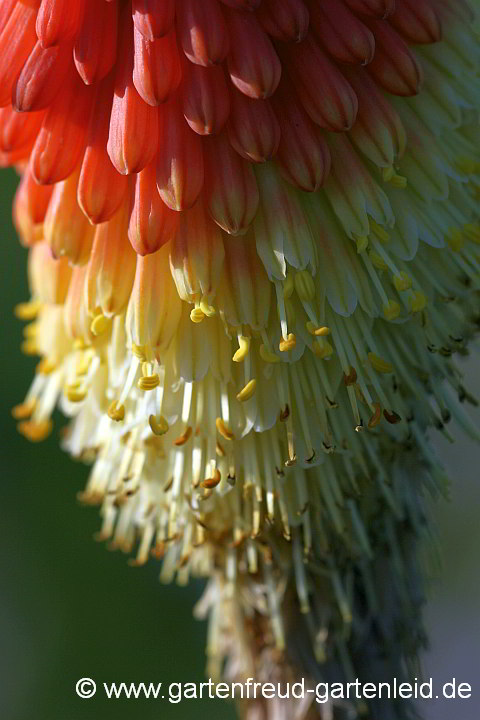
<point x="331" y="403"/>
<point x="351" y="378"/>
<point x="158" y="551"/>
<point x="168" y="484"/>
<point x="24" y="410"/>
<point x="376" y="417"/>
<point x="212" y="482"/>
<point x="182" y="439"/>
<point x="392" y="417"/>
<point x="291" y="461"/>
<point x="35" y="431"/>
<point x="284" y="413"/>
<point x="311" y="458"/>
<point x="137" y="562"/>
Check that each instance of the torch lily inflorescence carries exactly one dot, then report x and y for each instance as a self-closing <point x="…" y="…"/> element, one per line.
<point x="253" y="238"/>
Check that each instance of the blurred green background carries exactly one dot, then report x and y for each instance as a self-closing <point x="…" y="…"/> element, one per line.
<point x="70" y="609"/>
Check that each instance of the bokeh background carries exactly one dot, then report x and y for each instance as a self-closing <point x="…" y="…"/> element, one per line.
<point x="70" y="609"/>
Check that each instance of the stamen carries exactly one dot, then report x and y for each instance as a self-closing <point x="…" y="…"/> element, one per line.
<point x="159" y="426"/>
<point x="248" y="391"/>
<point x="116" y="413"/>
<point x="243" y="350"/>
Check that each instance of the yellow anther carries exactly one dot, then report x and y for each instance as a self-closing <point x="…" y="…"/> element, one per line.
<point x="83" y="364"/>
<point x="75" y="394"/>
<point x="197" y="315"/>
<point x="243" y="350"/>
<point x="248" y="391"/>
<point x="391" y="310"/>
<point x="361" y="242"/>
<point x="268" y="355"/>
<point x="139" y="351"/>
<point x="379" y="364"/>
<point x="322" y="349"/>
<point x="159" y="426"/>
<point x="223" y="429"/>
<point x="35" y="431"/>
<point x="388" y="173"/>
<point x="24" y="410"/>
<point x="417" y="301"/>
<point x="184" y="437"/>
<point x="116" y="413"/>
<point x="30" y="330"/>
<point x="79" y="344"/>
<point x="376" y="417"/>
<point x="305" y="286"/>
<point x="378" y="261"/>
<point x="317" y="331"/>
<point x="27" y="310"/>
<point x="148" y="382"/>
<point x="99" y="325"/>
<point x="212" y="482"/>
<point x="288" y="344"/>
<point x="45" y="367"/>
<point x="399" y="181"/>
<point x="472" y="232"/>
<point x="288" y="286"/>
<point x="379" y="231"/>
<point x="29" y="347"/>
<point x="206" y="308"/>
<point x="402" y="281"/>
<point x="455" y="239"/>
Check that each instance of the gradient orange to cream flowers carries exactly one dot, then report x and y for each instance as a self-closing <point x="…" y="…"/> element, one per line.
<point x="253" y="238"/>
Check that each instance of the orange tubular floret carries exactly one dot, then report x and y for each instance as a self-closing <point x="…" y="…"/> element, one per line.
<point x="66" y="228"/>
<point x="61" y="140"/>
<point x="341" y="33"/>
<point x="132" y="139"/>
<point x="157" y="70"/>
<point x="230" y="187"/>
<point x="42" y="77"/>
<point x="152" y="223"/>
<point x="18" y="130"/>
<point x="29" y="208"/>
<point x="58" y="20"/>
<point x="202" y="31"/>
<point x="152" y="18"/>
<point x="180" y="172"/>
<point x="417" y="21"/>
<point x="253" y="128"/>
<point x="101" y="189"/>
<point x="95" y="48"/>
<point x="303" y="155"/>
<point x="377" y="8"/>
<point x="394" y="66"/>
<point x="206" y="102"/>
<point x="335" y="108"/>
<point x="285" y="20"/>
<point x="253" y="64"/>
<point x="17" y="39"/>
